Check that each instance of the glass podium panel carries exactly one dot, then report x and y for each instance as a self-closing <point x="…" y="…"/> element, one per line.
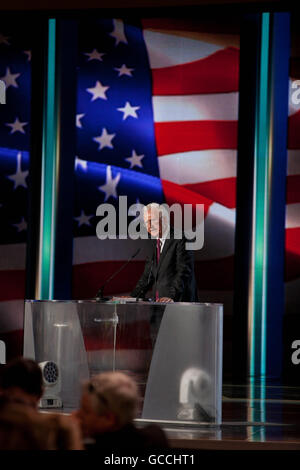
<point x="173" y="351"/>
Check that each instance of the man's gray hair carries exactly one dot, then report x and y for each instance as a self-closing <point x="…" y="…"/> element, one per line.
<point x="115" y="392"/>
<point x="154" y="206"/>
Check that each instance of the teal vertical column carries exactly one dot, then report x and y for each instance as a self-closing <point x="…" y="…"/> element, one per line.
<point x="250" y="41"/>
<point x="53" y="140"/>
<point x="266" y="301"/>
<point x="280" y="59"/>
<point x="259" y="253"/>
<point x="260" y="205"/>
<point x="45" y="281"/>
<point x="66" y="91"/>
<point x="258" y="280"/>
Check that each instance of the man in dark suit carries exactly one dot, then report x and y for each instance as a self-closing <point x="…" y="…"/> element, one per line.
<point x="169" y="269"/>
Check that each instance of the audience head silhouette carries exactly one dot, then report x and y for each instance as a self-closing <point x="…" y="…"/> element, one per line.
<point x="21" y="380"/>
<point x="109" y="402"/>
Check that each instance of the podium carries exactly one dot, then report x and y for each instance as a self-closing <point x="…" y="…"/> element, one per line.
<point x="173" y="351"/>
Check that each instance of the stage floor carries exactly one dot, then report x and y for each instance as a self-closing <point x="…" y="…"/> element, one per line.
<point x="254" y="416"/>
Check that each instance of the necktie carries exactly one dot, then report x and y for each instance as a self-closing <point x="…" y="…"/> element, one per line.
<point x="158" y="245"/>
<point x="158" y="242"/>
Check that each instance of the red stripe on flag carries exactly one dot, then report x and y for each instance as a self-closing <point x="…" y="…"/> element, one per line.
<point x="174" y="193"/>
<point x="293" y="131"/>
<point x="215" y="274"/>
<point x="14" y="343"/>
<point x="175" y="137"/>
<point x="196" y="25"/>
<point x="292" y="189"/>
<point x="12" y="284"/>
<point x="218" y="274"/>
<point x="222" y="191"/>
<point x="170" y="24"/>
<point x="88" y="277"/>
<point x="292" y="254"/>
<point x="210" y="275"/>
<point x="201" y="76"/>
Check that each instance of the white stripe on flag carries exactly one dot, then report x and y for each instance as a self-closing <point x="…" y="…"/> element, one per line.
<point x="219" y="220"/>
<point x="12" y="256"/>
<point x="293" y="162"/>
<point x="292" y="218"/>
<point x="294" y="97"/>
<point x="11" y="315"/>
<point x="292" y="289"/>
<point x="166" y="50"/>
<point x="91" y="249"/>
<point x="208" y="107"/>
<point x="198" y="166"/>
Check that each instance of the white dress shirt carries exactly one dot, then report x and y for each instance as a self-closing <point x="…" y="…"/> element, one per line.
<point x="163" y="239"/>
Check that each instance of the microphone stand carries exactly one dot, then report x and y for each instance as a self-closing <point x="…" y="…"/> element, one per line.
<point x="99" y="295"/>
<point x="149" y="275"/>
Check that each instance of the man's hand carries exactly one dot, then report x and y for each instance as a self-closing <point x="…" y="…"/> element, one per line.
<point x="165" y="300"/>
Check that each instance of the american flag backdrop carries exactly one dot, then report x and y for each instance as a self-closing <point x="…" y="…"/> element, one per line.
<point x="157" y="114"/>
<point x="15" y="71"/>
<point x="292" y="223"/>
<point x="157" y="111"/>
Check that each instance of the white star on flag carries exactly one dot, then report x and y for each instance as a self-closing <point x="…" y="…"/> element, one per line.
<point x="129" y="110"/>
<point x="81" y="163"/>
<point x="21" y="225"/>
<point x="28" y="53"/>
<point x="78" y="120"/>
<point x="118" y="32"/>
<point x="83" y="219"/>
<point x="10" y="78"/>
<point x="4" y="40"/>
<point x="109" y="188"/>
<point x="20" y="176"/>
<point x="124" y="70"/>
<point x="94" y="55"/>
<point x="17" y="126"/>
<point x="135" y="160"/>
<point x="104" y="140"/>
<point x="98" y="91"/>
<point x="137" y="206"/>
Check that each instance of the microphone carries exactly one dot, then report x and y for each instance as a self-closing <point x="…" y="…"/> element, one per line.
<point x="99" y="295"/>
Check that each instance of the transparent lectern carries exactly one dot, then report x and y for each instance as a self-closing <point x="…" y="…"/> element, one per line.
<point x="173" y="351"/>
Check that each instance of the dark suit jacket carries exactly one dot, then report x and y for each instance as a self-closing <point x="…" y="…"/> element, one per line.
<point x="174" y="276"/>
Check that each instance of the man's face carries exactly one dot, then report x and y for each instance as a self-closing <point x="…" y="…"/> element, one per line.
<point x="154" y="222"/>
